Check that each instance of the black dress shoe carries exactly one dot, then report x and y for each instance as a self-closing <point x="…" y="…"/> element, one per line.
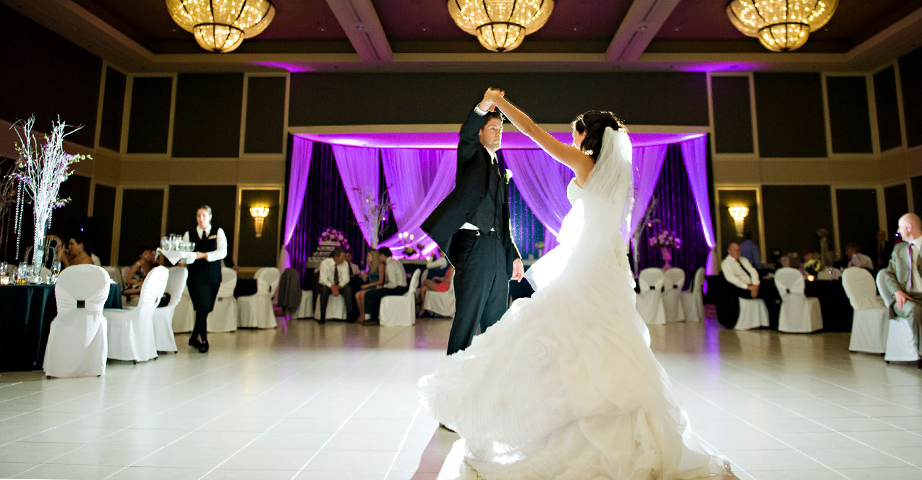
<point x="194" y="343"/>
<point x="203" y="348"/>
<point x="321" y="321"/>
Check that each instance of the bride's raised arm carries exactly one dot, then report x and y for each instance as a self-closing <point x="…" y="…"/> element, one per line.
<point x="572" y="157"/>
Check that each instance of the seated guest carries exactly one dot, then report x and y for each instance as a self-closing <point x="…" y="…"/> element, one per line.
<point x="334" y="280"/>
<point x="395" y="283"/>
<point x="372" y="278"/>
<point x="77" y="252"/>
<point x="857" y="259"/>
<point x="750" y="251"/>
<point x="740" y="273"/>
<point x="437" y="284"/>
<point x="139" y="270"/>
<point x="884" y="249"/>
<point x="354" y="270"/>
<point x="901" y="277"/>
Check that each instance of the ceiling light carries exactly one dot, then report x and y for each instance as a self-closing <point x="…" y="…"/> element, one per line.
<point x="221" y="25"/>
<point x="500" y="25"/>
<point x="780" y="25"/>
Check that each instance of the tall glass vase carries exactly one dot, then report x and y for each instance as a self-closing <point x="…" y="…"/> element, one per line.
<point x="38" y="246"/>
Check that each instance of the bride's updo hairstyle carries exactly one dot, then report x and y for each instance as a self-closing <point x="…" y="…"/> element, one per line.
<point x="593" y="124"/>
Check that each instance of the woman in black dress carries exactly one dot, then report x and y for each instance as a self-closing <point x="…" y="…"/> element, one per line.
<point x="210" y="246"/>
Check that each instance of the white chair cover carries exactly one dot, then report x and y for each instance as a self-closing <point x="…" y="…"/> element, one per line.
<point x="753" y="314"/>
<point x="672" y="294"/>
<point x="224" y="316"/>
<point x="115" y="275"/>
<point x="693" y="299"/>
<point x="163" y="317"/>
<point x="400" y="310"/>
<point x="125" y="272"/>
<point x="799" y="313"/>
<point x="870" y="321"/>
<point x="650" y="299"/>
<point x="77" y="343"/>
<point x="336" y="307"/>
<point x="255" y="311"/>
<point x="902" y="344"/>
<point x="131" y="332"/>
<point x="184" y="315"/>
<point x="442" y="303"/>
<point x="306" y="309"/>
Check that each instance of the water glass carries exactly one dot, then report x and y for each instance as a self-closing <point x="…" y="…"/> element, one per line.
<point x="165" y="243"/>
<point x="56" y="268"/>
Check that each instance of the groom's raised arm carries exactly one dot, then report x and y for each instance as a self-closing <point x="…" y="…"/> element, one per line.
<point x="469" y="136"/>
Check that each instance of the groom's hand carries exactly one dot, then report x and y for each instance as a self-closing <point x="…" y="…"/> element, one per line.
<point x="488" y="104"/>
<point x="518" y="270"/>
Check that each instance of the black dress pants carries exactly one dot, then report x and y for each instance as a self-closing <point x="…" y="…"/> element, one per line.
<point x="373" y="299"/>
<point x="481" y="285"/>
<point x="203" y="296"/>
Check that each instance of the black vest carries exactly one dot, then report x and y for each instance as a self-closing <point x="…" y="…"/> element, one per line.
<point x="489" y="214"/>
<point x="203" y="271"/>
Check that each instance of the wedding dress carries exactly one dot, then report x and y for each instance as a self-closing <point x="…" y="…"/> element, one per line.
<point x="565" y="385"/>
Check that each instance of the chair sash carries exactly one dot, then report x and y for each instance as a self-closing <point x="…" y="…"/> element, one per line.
<point x="93" y="304"/>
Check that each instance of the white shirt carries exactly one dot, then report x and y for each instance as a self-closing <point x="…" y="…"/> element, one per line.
<point x="468" y="225"/>
<point x="355" y="269"/>
<point x="221" y="250"/>
<point x="861" y="260"/>
<point x="739" y="273"/>
<point x="394" y="274"/>
<point x="327" y="272"/>
<point x="440" y="262"/>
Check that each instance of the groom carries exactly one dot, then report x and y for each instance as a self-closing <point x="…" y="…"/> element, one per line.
<point x="472" y="226"/>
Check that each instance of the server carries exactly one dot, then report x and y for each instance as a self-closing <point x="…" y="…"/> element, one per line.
<point x="205" y="273"/>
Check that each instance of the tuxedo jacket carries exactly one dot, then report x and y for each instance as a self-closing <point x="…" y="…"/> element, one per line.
<point x="471" y="186"/>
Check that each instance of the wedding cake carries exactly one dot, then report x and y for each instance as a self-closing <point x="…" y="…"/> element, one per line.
<point x="329" y="240"/>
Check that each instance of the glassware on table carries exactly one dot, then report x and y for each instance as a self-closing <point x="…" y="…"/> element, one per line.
<point x="4" y="274"/>
<point x="22" y="273"/>
<point x="165" y="243"/>
<point x="56" y="267"/>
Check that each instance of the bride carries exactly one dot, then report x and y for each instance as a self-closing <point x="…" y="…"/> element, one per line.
<point x="565" y="386"/>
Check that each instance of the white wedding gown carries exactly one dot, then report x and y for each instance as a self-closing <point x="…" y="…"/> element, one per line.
<point x="565" y="385"/>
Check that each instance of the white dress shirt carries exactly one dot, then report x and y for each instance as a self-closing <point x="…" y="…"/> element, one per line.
<point x="861" y="260"/>
<point x="468" y="225"/>
<point x="327" y="272"/>
<point x="440" y="262"/>
<point x="355" y="269"/>
<point x="394" y="274"/>
<point x="221" y="249"/>
<point x="739" y="273"/>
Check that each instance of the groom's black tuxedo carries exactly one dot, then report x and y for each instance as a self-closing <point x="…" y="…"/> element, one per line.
<point x="482" y="259"/>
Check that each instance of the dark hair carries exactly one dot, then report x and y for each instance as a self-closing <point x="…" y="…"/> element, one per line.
<point x="386" y="252"/>
<point x="593" y="123"/>
<point x="747" y="235"/>
<point x="490" y="116"/>
<point x="142" y="249"/>
<point x="854" y="246"/>
<point x="338" y="251"/>
<point x="87" y="245"/>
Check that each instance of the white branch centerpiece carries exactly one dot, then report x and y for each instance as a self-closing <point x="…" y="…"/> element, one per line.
<point x="40" y="170"/>
<point x="375" y="214"/>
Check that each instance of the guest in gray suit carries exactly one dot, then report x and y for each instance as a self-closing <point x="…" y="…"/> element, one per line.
<point x="902" y="278"/>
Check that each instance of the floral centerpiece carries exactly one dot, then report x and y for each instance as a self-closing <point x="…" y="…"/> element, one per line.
<point x="666" y="241"/>
<point x="334" y="236"/>
<point x="812" y="267"/>
<point x="40" y="170"/>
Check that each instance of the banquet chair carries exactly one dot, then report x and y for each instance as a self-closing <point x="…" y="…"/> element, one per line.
<point x="163" y="316"/>
<point x="799" y="313"/>
<point x="306" y="308"/>
<point x="400" y="310"/>
<point x="255" y="311"/>
<point x="871" y="318"/>
<point x="115" y="275"/>
<point x="184" y="314"/>
<point x="336" y="307"/>
<point x="650" y="298"/>
<point x="131" y="332"/>
<point x="902" y="344"/>
<point x="693" y="299"/>
<point x="223" y="318"/>
<point x="672" y="294"/>
<point x="442" y="303"/>
<point x="77" y="343"/>
<point x="752" y="312"/>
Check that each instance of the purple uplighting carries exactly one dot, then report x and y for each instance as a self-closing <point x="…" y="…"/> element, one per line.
<point x="291" y="67"/>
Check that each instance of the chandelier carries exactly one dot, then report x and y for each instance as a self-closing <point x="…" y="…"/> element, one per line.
<point x="221" y="25"/>
<point x="500" y="25"/>
<point x="780" y="25"/>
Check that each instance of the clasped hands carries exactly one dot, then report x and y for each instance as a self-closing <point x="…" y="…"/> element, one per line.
<point x="488" y="104"/>
<point x="753" y="290"/>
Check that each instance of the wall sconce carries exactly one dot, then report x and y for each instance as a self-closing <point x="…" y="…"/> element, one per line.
<point x="259" y="214"/>
<point x="739" y="213"/>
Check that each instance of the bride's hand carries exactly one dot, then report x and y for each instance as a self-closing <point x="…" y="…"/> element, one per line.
<point x="489" y="99"/>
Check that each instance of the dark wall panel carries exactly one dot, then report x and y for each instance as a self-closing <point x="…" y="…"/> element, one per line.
<point x="265" y="120"/>
<point x="149" y="123"/>
<point x="916" y="184"/>
<point x="48" y="76"/>
<point x="896" y="204"/>
<point x="858" y="220"/>
<point x="732" y="115"/>
<point x="849" y="117"/>
<point x="910" y="81"/>
<point x="142" y="215"/>
<point x="790" y="115"/>
<point x="104" y="215"/>
<point x="207" y="120"/>
<point x="789" y="226"/>
<point x="113" y="102"/>
<point x="71" y="216"/>
<point x="888" y="113"/>
<point x="729" y="198"/>
<point x="362" y="98"/>
<point x="185" y="200"/>
<point x="262" y="251"/>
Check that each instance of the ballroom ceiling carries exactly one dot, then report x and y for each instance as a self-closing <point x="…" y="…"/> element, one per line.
<point x="384" y="35"/>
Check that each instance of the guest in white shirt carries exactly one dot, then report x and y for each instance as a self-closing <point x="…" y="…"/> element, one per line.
<point x="354" y="270"/>
<point x="395" y="283"/>
<point x="857" y="259"/>
<point x="740" y="273"/>
<point x="334" y="280"/>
